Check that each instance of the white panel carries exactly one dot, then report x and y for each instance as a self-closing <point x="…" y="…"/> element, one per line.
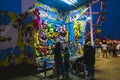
<point x="9" y="32"/>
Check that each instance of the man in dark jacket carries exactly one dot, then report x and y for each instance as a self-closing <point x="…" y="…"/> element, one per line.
<point x="89" y="60"/>
<point x="59" y="65"/>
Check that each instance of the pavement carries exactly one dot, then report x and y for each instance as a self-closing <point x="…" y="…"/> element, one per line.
<point x="105" y="69"/>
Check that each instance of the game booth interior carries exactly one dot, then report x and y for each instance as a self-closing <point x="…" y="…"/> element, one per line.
<point x="29" y="29"/>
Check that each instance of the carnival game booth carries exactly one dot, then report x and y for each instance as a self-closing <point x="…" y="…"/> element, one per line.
<point x="58" y="24"/>
<point x="71" y="24"/>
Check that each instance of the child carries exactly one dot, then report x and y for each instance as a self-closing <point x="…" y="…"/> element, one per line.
<point x="66" y="62"/>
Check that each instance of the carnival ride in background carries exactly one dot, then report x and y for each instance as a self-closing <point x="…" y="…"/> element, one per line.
<point x="98" y="17"/>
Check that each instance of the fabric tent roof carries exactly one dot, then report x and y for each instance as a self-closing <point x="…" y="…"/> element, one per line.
<point x="20" y="6"/>
<point x="60" y="5"/>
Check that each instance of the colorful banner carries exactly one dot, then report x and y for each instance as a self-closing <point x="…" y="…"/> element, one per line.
<point x="49" y="12"/>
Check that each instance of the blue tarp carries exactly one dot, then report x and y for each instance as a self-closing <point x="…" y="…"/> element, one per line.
<point x="11" y="5"/>
<point x="16" y="6"/>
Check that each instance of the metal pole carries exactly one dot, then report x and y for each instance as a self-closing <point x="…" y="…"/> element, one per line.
<point x="91" y="26"/>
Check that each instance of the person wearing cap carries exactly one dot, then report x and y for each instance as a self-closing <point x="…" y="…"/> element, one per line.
<point x="89" y="60"/>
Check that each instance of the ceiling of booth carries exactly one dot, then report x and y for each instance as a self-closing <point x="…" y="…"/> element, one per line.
<point x="60" y="5"/>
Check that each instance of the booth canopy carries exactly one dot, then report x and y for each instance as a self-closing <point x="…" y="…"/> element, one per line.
<point x="61" y="5"/>
<point x="20" y="6"/>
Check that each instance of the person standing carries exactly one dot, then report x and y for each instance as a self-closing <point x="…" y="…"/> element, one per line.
<point x="118" y="49"/>
<point x="58" y="60"/>
<point x="110" y="49"/>
<point x="114" y="50"/>
<point x="89" y="60"/>
<point x="104" y="49"/>
<point x="66" y="63"/>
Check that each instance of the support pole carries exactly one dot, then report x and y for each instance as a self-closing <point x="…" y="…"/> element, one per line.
<point x="91" y="26"/>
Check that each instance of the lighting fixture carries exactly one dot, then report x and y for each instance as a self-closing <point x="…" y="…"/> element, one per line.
<point x="70" y="2"/>
<point x="88" y="18"/>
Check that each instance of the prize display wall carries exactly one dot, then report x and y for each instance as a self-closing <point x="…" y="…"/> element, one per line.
<point x="59" y="26"/>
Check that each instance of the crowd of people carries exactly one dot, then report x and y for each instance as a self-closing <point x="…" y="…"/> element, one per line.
<point x="105" y="48"/>
<point x="108" y="48"/>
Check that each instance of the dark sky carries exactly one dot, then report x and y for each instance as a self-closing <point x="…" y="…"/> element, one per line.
<point x="111" y="26"/>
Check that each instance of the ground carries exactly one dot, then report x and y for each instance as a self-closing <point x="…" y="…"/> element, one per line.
<point x="105" y="69"/>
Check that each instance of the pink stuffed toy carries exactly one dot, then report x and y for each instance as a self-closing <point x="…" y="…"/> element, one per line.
<point x="37" y="19"/>
<point x="62" y="29"/>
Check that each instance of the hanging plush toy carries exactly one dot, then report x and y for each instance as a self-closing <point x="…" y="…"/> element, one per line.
<point x="56" y="28"/>
<point x="43" y="38"/>
<point x="77" y="31"/>
<point x="44" y="24"/>
<point x="63" y="30"/>
<point x="37" y="19"/>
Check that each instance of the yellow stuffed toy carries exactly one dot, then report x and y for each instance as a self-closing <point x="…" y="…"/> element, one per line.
<point x="77" y="30"/>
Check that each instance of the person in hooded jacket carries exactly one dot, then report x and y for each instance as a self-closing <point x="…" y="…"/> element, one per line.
<point x="89" y="60"/>
<point x="59" y="65"/>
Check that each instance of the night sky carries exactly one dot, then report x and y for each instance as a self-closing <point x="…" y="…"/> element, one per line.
<point x="111" y="27"/>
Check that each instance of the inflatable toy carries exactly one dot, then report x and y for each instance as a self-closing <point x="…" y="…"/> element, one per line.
<point x="77" y="30"/>
<point x="44" y="26"/>
<point x="37" y="19"/>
